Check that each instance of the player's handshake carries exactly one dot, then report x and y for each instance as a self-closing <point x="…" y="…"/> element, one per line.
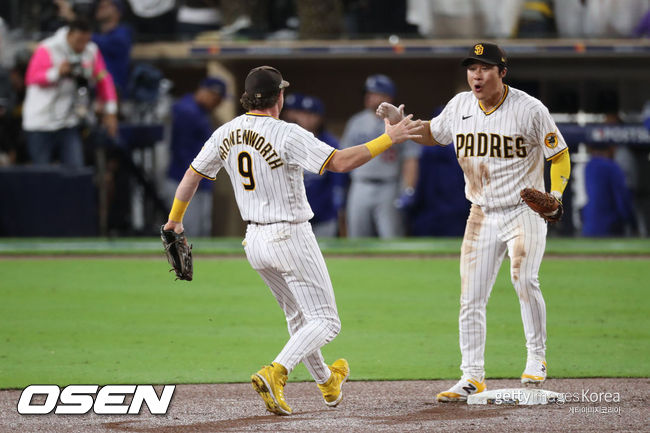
<point x="388" y="111"/>
<point x="405" y="129"/>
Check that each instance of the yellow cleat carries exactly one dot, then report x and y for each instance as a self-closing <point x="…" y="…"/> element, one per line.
<point x="461" y="390"/>
<point x="332" y="392"/>
<point x="269" y="383"/>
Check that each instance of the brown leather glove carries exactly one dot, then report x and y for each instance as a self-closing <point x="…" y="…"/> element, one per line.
<point x="547" y="206"/>
<point x="179" y="253"/>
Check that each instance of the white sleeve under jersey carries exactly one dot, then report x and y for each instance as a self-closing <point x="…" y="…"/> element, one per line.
<point x="501" y="151"/>
<point x="264" y="158"/>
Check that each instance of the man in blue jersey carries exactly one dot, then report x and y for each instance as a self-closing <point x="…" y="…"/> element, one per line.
<point x="609" y="210"/>
<point x="114" y="40"/>
<point x="326" y="193"/>
<point x="191" y="127"/>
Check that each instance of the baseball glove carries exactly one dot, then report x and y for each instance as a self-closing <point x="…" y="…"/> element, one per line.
<point x="547" y="206"/>
<point x="179" y="253"/>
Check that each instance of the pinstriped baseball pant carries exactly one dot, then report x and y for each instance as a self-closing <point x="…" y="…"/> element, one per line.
<point x="288" y="259"/>
<point x="488" y="236"/>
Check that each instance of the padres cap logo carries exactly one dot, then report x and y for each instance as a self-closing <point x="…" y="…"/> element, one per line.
<point x="478" y="49"/>
<point x="551" y="140"/>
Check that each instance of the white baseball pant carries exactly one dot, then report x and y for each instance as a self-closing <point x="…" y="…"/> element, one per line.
<point x="288" y="259"/>
<point x="488" y="235"/>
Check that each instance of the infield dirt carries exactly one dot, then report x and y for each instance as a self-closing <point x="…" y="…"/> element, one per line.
<point x="404" y="406"/>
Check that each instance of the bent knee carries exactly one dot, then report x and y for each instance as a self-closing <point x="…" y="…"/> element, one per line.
<point x="331" y="326"/>
<point x="334" y="326"/>
<point x="524" y="282"/>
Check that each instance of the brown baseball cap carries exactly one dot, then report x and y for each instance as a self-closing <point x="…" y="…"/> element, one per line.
<point x="487" y="53"/>
<point x="264" y="81"/>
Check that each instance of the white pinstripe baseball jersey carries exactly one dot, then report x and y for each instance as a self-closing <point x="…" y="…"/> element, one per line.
<point x="264" y="158"/>
<point x="501" y="151"/>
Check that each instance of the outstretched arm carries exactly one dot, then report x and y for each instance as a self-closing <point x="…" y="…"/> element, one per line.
<point x="355" y="156"/>
<point x="424" y="131"/>
<point x="184" y="194"/>
<point x="395" y="114"/>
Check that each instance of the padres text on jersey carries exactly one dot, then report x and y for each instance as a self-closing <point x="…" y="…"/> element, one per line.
<point x="501" y="151"/>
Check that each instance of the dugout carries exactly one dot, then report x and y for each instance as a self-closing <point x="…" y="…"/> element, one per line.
<point x="575" y="78"/>
<point x="569" y="76"/>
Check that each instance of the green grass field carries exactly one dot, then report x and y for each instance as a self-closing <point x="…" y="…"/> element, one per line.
<point x="125" y="320"/>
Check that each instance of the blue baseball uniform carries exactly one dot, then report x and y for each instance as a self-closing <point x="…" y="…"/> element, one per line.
<point x="440" y="208"/>
<point x="115" y="46"/>
<point x="191" y="128"/>
<point x="609" y="207"/>
<point x="325" y="193"/>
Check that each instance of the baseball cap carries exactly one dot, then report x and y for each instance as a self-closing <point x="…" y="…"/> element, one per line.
<point x="293" y="101"/>
<point x="487" y="53"/>
<point x="380" y="84"/>
<point x="264" y="81"/>
<point x="214" y="84"/>
<point x="312" y="104"/>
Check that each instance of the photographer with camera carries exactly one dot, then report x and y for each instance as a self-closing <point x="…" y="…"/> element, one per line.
<point x="61" y="74"/>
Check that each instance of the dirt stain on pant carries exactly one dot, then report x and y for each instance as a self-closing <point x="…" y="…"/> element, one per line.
<point x="518" y="256"/>
<point x="470" y="241"/>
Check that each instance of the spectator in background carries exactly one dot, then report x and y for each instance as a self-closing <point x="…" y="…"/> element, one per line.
<point x="12" y="95"/>
<point x="609" y="209"/>
<point x="326" y="192"/>
<point x="536" y="20"/>
<point x="440" y="207"/>
<point x="291" y="108"/>
<point x="64" y="12"/>
<point x="598" y="18"/>
<point x="468" y="18"/>
<point x="62" y="66"/>
<point x="377" y="17"/>
<point x="114" y="41"/>
<point x="642" y="30"/>
<point x="375" y="186"/>
<point x="154" y="19"/>
<point x="259" y="19"/>
<point x="197" y="16"/>
<point x="191" y="127"/>
<point x="7" y="152"/>
<point x="624" y="155"/>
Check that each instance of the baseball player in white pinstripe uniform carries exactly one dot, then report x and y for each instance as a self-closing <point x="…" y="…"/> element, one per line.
<point x="265" y="158"/>
<point x="501" y="136"/>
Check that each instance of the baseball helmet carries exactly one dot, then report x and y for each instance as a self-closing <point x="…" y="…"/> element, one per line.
<point x="312" y="104"/>
<point x="214" y="84"/>
<point x="379" y="83"/>
<point x="293" y="101"/>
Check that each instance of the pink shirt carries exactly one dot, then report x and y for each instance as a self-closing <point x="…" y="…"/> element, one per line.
<point x="49" y="98"/>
